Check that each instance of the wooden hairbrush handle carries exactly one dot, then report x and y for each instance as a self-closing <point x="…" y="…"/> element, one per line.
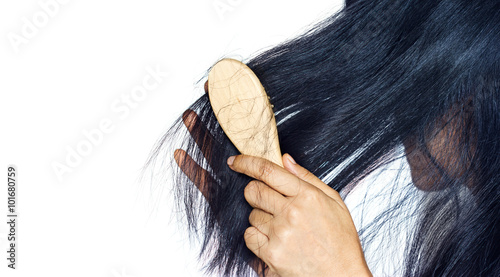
<point x="243" y="110"/>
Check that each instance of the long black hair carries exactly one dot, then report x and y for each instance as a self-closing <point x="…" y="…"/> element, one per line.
<point x="374" y="76"/>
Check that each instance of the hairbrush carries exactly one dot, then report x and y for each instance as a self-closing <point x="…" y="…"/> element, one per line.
<point x="243" y="110"/>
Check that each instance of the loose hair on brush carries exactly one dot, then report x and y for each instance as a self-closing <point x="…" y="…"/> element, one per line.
<point x="347" y="94"/>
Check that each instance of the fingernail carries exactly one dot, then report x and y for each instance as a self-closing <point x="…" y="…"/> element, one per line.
<point x="230" y="160"/>
<point x="291" y="159"/>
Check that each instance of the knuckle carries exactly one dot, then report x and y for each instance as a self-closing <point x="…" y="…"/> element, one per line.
<point x="336" y="194"/>
<point x="283" y="233"/>
<point x="293" y="215"/>
<point x="265" y="169"/>
<point x="310" y="195"/>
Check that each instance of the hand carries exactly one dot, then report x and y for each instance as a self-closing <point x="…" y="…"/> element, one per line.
<point x="196" y="173"/>
<point x="300" y="226"/>
<point x="207" y="144"/>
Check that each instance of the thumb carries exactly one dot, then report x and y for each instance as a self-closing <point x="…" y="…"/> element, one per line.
<point x="305" y="175"/>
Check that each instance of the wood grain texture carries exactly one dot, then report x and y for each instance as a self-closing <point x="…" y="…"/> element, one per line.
<point x="243" y="110"/>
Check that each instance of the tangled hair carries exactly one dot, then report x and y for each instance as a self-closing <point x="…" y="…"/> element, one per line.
<point x="347" y="94"/>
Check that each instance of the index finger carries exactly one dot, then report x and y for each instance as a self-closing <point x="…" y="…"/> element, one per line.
<point x="197" y="174"/>
<point x="266" y="171"/>
<point x="200" y="134"/>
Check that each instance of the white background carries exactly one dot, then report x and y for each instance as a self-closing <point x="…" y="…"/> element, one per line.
<point x="70" y="70"/>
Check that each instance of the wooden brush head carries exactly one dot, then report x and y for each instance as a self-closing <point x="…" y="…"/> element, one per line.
<point x="243" y="110"/>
